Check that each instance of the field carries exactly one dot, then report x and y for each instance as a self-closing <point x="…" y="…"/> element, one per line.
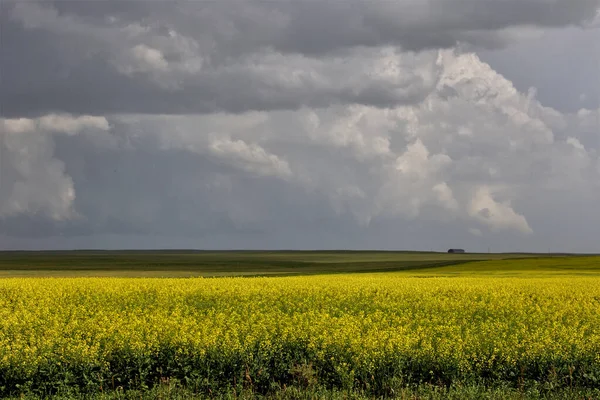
<point x="230" y="263"/>
<point x="406" y="325"/>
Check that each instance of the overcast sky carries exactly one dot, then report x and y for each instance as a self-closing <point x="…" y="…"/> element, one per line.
<point x="300" y="124"/>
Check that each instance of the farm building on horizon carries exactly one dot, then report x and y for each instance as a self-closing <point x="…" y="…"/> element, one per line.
<point x="456" y="250"/>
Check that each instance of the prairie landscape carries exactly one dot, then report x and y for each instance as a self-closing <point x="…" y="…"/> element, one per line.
<point x="131" y="131"/>
<point x="299" y="325"/>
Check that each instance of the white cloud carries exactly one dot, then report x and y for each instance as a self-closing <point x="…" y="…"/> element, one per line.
<point x="497" y="215"/>
<point x="166" y="59"/>
<point x="346" y="129"/>
<point x="445" y="196"/>
<point x="575" y="143"/>
<point x="17" y="125"/>
<point x="64" y="123"/>
<point x="416" y="164"/>
<point x="249" y="157"/>
<point x="53" y="123"/>
<point x="32" y="180"/>
<point x="149" y="59"/>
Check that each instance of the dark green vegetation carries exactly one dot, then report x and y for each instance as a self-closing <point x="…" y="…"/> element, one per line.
<point x="174" y="391"/>
<point x="213" y="263"/>
<point x="567" y="266"/>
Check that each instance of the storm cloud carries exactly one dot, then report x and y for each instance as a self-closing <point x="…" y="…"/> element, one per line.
<point x="203" y="57"/>
<point x="291" y="124"/>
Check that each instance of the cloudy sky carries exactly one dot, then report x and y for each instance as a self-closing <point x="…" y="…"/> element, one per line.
<point x="366" y="124"/>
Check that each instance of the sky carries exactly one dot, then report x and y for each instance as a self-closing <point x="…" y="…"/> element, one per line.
<point x="300" y="124"/>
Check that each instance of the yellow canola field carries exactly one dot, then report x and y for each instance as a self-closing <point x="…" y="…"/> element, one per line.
<point x="352" y="330"/>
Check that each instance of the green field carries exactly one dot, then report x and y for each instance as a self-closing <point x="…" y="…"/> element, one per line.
<point x="292" y="325"/>
<point x="242" y="263"/>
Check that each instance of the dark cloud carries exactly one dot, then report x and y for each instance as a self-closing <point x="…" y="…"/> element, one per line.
<point x="288" y="124"/>
<point x="41" y="80"/>
<point x="474" y="161"/>
<point x="201" y="57"/>
<point x="135" y="186"/>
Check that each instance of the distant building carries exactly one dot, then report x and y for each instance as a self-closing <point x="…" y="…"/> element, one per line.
<point x="456" y="251"/>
